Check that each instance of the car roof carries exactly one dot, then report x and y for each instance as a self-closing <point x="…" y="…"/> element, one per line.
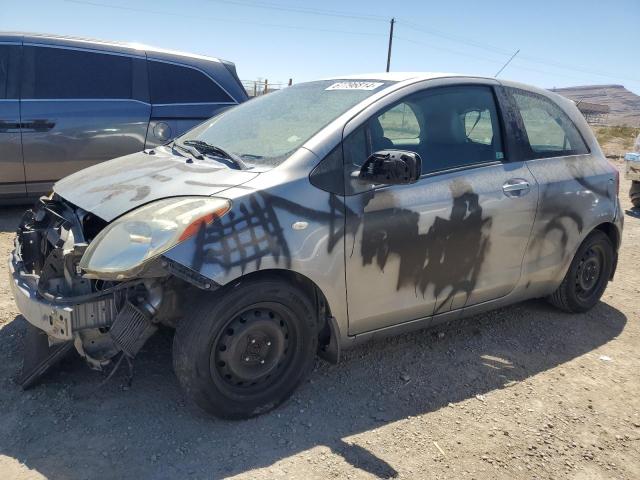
<point x="132" y="46"/>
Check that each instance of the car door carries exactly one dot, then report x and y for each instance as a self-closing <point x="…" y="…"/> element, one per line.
<point x="453" y="239"/>
<point x="11" y="168"/>
<point x="79" y="107"/>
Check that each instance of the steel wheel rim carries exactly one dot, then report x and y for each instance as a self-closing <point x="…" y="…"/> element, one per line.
<point x="589" y="272"/>
<point x="253" y="349"/>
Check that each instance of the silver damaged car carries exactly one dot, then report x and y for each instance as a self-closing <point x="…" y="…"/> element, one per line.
<point x="314" y="218"/>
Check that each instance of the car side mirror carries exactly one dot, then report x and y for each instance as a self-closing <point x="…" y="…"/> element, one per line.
<point x="392" y="167"/>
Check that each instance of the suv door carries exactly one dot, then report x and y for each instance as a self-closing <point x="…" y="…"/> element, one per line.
<point x="453" y="239"/>
<point x="182" y="96"/>
<point x="79" y="107"/>
<point x="11" y="168"/>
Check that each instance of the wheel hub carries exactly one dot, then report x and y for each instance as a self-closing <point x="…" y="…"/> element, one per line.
<point x="589" y="272"/>
<point x="251" y="348"/>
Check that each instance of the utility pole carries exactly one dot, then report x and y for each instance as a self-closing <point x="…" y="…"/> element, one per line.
<point x="393" y="20"/>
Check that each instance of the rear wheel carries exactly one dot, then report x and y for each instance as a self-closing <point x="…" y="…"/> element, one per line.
<point x="634" y="193"/>
<point x="588" y="275"/>
<point x="244" y="351"/>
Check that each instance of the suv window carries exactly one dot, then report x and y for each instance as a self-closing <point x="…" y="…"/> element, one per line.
<point x="550" y="131"/>
<point x="171" y="83"/>
<point x="4" y="70"/>
<point x="448" y="127"/>
<point x="9" y="62"/>
<point x="65" y="73"/>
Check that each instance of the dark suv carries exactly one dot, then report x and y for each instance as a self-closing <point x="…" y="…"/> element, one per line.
<point x="66" y="104"/>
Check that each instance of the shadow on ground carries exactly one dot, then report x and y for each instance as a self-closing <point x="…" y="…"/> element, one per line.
<point x="9" y="217"/>
<point x="62" y="430"/>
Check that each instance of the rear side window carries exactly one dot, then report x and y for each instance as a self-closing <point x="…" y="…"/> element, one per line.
<point x="550" y="131"/>
<point x="171" y="83"/>
<point x="59" y="73"/>
<point x="4" y="70"/>
<point x="9" y="62"/>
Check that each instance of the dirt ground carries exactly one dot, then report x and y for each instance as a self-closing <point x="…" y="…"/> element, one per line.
<point x="522" y="392"/>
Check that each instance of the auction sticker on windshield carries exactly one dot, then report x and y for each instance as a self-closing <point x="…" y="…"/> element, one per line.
<point x="354" y="86"/>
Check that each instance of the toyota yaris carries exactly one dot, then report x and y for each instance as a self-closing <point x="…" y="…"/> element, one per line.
<point x="310" y="219"/>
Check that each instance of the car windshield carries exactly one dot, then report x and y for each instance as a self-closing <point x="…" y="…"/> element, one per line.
<point x="266" y="130"/>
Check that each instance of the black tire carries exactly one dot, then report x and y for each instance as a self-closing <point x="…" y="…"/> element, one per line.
<point x="634" y="193"/>
<point x="587" y="277"/>
<point x="243" y="351"/>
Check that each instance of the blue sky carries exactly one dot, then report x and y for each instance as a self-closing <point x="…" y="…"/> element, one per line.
<point x="561" y="42"/>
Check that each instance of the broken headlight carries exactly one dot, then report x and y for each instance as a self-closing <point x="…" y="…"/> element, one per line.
<point x="120" y="250"/>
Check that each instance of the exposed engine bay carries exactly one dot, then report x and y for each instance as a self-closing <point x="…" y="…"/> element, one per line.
<point x="104" y="320"/>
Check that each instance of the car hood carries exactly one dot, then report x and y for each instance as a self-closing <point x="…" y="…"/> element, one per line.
<point x="112" y="188"/>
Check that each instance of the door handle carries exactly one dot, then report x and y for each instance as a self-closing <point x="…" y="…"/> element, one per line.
<point x="516" y="187"/>
<point x="37" y="125"/>
<point x="9" y="126"/>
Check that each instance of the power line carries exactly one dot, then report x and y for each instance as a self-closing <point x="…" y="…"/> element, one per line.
<point x="494" y="49"/>
<point x="450" y="50"/>
<point x="484" y="59"/>
<point x="343" y="14"/>
<point x="219" y="19"/>
<point x="304" y="10"/>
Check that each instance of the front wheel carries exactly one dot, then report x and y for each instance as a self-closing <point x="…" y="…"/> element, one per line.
<point x="588" y="275"/>
<point x="243" y="351"/>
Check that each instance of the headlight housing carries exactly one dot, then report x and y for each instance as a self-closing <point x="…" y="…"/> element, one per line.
<point x="124" y="246"/>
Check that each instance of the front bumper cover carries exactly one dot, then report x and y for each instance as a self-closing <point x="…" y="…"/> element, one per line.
<point x="59" y="321"/>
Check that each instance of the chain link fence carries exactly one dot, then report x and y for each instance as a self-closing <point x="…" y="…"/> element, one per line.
<point x="260" y="86"/>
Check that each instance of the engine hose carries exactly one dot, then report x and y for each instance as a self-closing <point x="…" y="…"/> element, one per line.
<point x="89" y="296"/>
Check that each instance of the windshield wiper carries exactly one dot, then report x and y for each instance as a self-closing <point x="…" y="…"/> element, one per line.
<point x="208" y="149"/>
<point x="190" y="150"/>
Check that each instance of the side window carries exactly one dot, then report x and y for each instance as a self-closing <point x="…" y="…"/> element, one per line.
<point x="448" y="127"/>
<point x="550" y="131"/>
<point x="171" y="83"/>
<point x="399" y="124"/>
<point x="9" y="71"/>
<point x="4" y="70"/>
<point x="59" y="73"/>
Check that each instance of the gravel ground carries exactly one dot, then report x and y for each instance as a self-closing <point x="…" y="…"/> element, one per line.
<point x="522" y="392"/>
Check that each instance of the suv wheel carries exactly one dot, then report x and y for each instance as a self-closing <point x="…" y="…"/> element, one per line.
<point x="243" y="351"/>
<point x="588" y="275"/>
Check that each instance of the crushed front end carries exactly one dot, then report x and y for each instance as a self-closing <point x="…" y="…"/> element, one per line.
<point x="66" y="308"/>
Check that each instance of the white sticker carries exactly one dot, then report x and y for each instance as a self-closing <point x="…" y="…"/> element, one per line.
<point x="354" y="86"/>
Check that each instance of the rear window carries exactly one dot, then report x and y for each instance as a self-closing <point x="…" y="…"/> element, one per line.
<point x="171" y="83"/>
<point x="59" y="73"/>
<point x="550" y="131"/>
